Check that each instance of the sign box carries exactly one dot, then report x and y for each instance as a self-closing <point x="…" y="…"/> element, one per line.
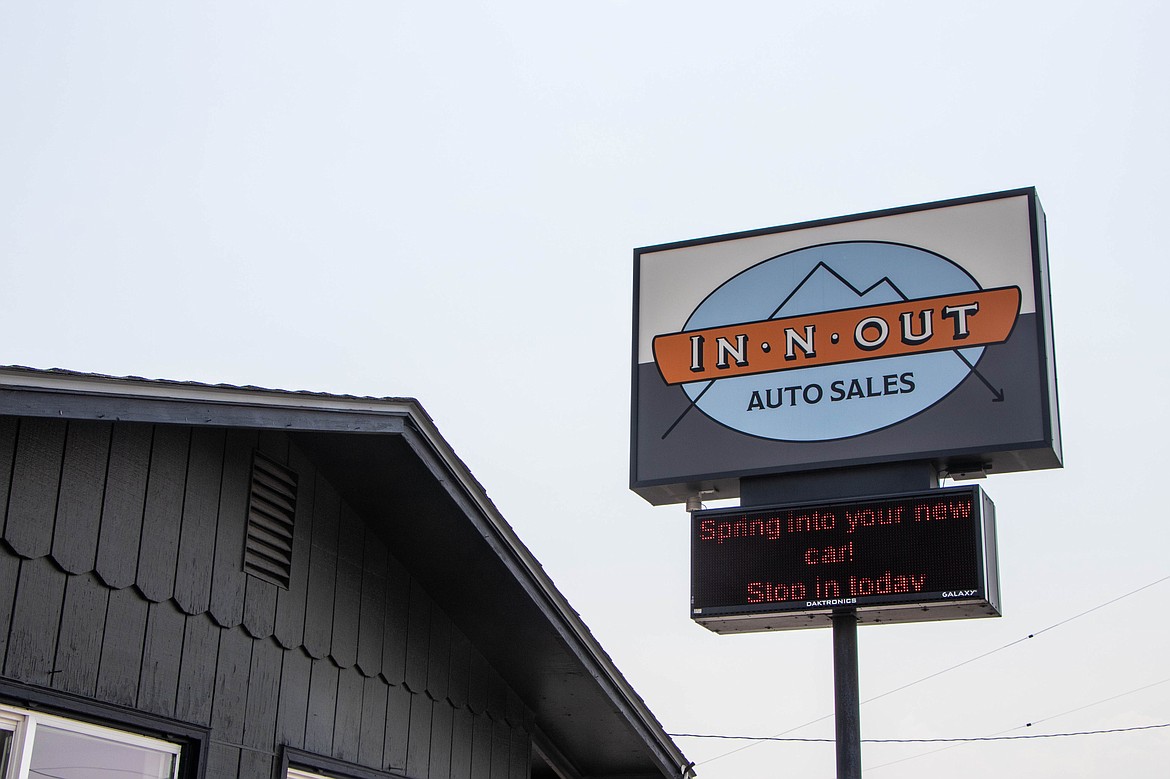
<point x="914" y="334"/>
<point x="903" y="558"/>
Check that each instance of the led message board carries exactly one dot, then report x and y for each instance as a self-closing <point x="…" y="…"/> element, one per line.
<point x="906" y="558"/>
<point x="914" y="334"/>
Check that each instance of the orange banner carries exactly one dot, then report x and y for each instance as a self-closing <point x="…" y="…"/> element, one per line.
<point x="848" y="335"/>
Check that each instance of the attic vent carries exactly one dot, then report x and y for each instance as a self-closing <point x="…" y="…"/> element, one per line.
<point x="272" y="505"/>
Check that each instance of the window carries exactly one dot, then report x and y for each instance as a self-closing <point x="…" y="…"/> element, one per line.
<point x="297" y="764"/>
<point x="296" y="773"/>
<point x="39" y="746"/>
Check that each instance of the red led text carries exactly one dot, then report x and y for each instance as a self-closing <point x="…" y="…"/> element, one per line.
<point x="770" y="528"/>
<point x="767" y="592"/>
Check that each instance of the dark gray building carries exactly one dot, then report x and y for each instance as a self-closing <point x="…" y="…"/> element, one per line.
<point x="219" y="581"/>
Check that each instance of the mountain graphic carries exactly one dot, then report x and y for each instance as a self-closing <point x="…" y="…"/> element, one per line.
<point x="824" y="289"/>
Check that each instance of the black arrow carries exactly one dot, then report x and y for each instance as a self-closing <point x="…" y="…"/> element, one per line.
<point x="686" y="410"/>
<point x="997" y="393"/>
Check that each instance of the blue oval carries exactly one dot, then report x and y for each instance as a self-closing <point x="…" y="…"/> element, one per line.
<point x="823" y="403"/>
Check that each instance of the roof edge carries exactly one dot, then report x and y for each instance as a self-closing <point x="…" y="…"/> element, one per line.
<point x="571" y="626"/>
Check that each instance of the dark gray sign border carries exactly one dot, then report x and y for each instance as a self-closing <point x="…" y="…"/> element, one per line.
<point x="1014" y="455"/>
<point x="932" y="606"/>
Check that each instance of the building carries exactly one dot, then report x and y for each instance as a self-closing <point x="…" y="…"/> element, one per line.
<point x="218" y="581"/>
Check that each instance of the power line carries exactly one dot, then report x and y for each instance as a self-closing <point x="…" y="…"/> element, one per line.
<point x="1101" y="606"/>
<point x="947" y="670"/>
<point x="1096" y="703"/>
<point x="957" y="740"/>
<point x="994" y="737"/>
<point x="1027" y="725"/>
<point x="1017" y="641"/>
<point x="953" y="742"/>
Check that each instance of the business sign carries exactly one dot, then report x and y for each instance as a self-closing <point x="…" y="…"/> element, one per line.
<point x="920" y="333"/>
<point x="904" y="558"/>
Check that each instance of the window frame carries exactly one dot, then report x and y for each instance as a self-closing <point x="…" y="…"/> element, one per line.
<point x="24" y="723"/>
<point x="14" y="724"/>
<point x="299" y="764"/>
<point x="193" y="740"/>
<point x="298" y="773"/>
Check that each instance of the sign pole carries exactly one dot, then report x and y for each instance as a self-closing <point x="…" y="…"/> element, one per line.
<point x="844" y="410"/>
<point x="846" y="695"/>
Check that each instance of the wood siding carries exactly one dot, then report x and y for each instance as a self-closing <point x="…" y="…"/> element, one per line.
<point x="121" y="580"/>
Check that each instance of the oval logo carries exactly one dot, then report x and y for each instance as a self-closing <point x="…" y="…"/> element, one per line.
<point x="834" y="341"/>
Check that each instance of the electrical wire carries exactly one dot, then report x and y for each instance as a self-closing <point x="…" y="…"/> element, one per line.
<point x="957" y="740"/>
<point x="1026" y="725"/>
<point x="1095" y="703"/>
<point x="1017" y="641"/>
<point x="1033" y="634"/>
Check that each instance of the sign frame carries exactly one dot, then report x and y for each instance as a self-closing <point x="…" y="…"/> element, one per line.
<point x="980" y="598"/>
<point x="1002" y="432"/>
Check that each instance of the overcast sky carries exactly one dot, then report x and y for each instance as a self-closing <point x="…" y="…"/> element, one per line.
<point x="440" y="201"/>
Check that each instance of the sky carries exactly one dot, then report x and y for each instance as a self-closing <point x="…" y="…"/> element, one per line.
<point x="441" y="201"/>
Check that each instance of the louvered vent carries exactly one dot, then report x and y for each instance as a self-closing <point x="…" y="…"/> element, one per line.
<point x="272" y="505"/>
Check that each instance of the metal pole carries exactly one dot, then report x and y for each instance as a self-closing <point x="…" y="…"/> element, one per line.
<point x="846" y="695"/>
